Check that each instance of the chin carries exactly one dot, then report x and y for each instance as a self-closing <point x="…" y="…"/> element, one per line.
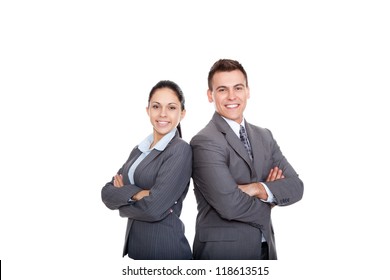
<point x="233" y="117"/>
<point x="164" y="131"/>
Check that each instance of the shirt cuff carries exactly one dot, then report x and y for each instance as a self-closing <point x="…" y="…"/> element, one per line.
<point x="271" y="197"/>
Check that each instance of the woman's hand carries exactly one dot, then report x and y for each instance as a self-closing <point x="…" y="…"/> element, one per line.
<point x="140" y="195"/>
<point x="118" y="181"/>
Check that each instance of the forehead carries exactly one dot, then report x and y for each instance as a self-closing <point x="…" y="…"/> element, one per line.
<point x="228" y="79"/>
<point x="164" y="95"/>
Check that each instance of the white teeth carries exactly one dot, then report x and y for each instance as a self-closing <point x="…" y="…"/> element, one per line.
<point x="232" y="106"/>
<point x="162" y="123"/>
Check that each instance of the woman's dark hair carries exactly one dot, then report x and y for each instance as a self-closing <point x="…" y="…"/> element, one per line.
<point x="176" y="89"/>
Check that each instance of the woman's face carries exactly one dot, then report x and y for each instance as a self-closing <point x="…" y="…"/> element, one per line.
<point x="164" y="111"/>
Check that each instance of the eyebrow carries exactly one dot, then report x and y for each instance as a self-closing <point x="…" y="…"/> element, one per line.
<point x="171" y="103"/>
<point x="240" y="84"/>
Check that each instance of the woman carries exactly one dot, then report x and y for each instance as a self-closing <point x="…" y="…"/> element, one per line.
<point x="150" y="187"/>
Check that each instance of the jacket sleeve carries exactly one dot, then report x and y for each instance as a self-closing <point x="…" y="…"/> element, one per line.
<point x="290" y="189"/>
<point x="172" y="182"/>
<point x="213" y="179"/>
<point x="114" y="197"/>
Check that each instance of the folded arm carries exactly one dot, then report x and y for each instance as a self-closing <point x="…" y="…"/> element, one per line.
<point x="214" y="180"/>
<point x="115" y="194"/>
<point x="289" y="189"/>
<point x="171" y="183"/>
<point x="258" y="189"/>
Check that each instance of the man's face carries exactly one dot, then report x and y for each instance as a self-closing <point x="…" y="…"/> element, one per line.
<point x="230" y="94"/>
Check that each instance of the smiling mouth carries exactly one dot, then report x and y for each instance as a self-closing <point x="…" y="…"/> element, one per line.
<point x="232" y="106"/>
<point x="162" y="123"/>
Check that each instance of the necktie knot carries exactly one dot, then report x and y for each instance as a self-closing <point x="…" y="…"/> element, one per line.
<point x="244" y="139"/>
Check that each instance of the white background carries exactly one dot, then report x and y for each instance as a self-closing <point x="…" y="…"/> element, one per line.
<point x="74" y="81"/>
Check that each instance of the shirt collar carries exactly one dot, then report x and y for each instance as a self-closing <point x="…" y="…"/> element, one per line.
<point x="234" y="125"/>
<point x="144" y="146"/>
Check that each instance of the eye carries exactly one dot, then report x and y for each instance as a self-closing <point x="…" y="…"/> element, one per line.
<point x="221" y="90"/>
<point x="239" y="88"/>
<point x="172" y="108"/>
<point x="155" y="106"/>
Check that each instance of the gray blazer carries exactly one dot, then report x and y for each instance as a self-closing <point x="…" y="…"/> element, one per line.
<point x="154" y="230"/>
<point x="230" y="223"/>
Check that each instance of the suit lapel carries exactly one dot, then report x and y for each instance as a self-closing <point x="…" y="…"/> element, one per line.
<point x="237" y="145"/>
<point x="144" y="163"/>
<point x="149" y="158"/>
<point x="257" y="149"/>
<point x="125" y="173"/>
<point x="233" y="140"/>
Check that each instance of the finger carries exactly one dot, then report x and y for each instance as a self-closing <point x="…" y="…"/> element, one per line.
<point x="269" y="175"/>
<point x="274" y="174"/>
<point x="120" y="179"/>
<point x="280" y="174"/>
<point x="116" y="181"/>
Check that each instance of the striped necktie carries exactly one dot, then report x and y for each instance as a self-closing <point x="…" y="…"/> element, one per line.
<point x="244" y="139"/>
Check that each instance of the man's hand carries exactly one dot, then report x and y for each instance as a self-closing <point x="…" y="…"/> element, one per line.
<point x="257" y="189"/>
<point x="275" y="174"/>
<point x="254" y="189"/>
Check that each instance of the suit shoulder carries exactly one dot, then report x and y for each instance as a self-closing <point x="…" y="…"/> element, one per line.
<point x="178" y="143"/>
<point x="256" y="127"/>
<point x="262" y="130"/>
<point x="209" y="133"/>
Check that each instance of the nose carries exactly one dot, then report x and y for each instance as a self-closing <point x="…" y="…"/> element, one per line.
<point x="231" y="94"/>
<point x="163" y="112"/>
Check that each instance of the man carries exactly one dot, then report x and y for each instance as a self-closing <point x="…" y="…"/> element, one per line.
<point x="239" y="174"/>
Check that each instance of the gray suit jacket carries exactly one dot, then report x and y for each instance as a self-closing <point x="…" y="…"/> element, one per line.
<point x="230" y="223"/>
<point x="154" y="230"/>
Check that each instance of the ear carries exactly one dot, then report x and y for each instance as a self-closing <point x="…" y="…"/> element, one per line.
<point x="249" y="93"/>
<point x="147" y="110"/>
<point x="210" y="96"/>
<point x="183" y="114"/>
